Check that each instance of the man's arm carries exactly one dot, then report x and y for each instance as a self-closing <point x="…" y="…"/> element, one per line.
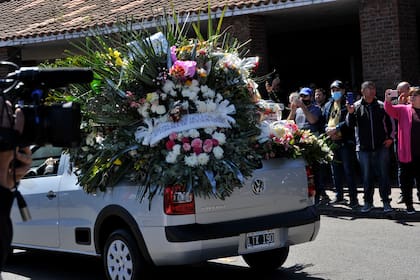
<point x="9" y="172"/>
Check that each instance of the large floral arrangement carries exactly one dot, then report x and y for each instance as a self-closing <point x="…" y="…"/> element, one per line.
<point x="165" y="109"/>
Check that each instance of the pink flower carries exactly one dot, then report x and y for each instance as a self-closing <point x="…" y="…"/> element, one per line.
<point x="186" y="147"/>
<point x="197" y="150"/>
<point x="173" y="54"/>
<point x="197" y="143"/>
<point x="215" y="142"/>
<point x="170" y="144"/>
<point x="188" y="66"/>
<point x="208" y="145"/>
<point x="173" y="136"/>
<point x="185" y="140"/>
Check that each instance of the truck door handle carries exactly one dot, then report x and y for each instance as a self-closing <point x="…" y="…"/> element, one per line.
<point x="51" y="195"/>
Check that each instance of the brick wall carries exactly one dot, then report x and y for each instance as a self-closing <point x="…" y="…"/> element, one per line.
<point x="250" y="27"/>
<point x="410" y="67"/>
<point x="389" y="42"/>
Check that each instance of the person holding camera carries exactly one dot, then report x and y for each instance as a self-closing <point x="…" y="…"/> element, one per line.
<point x="374" y="137"/>
<point x="342" y="136"/>
<point x="14" y="163"/>
<point x="401" y="96"/>
<point x="408" y="116"/>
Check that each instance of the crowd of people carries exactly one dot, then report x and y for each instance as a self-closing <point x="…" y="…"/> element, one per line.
<point x="366" y="135"/>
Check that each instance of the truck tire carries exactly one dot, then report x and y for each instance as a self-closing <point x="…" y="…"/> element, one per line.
<point x="267" y="260"/>
<point x="122" y="258"/>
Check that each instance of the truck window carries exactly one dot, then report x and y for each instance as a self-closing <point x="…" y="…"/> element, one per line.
<point x="45" y="160"/>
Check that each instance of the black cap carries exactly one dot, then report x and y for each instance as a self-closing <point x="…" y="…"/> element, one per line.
<point x="337" y="84"/>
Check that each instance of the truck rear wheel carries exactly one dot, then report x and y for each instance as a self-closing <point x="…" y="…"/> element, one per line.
<point x="267" y="260"/>
<point x="122" y="258"/>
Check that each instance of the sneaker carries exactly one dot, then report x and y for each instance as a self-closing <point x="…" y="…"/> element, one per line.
<point x="325" y="199"/>
<point x="367" y="207"/>
<point x="338" y="201"/>
<point x="387" y="207"/>
<point x="410" y="210"/>
<point x="355" y="206"/>
<point x="400" y="200"/>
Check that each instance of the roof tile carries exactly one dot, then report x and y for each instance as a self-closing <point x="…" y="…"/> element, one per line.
<point x="29" y="18"/>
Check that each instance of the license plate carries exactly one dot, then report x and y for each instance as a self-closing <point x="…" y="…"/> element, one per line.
<point x="260" y="239"/>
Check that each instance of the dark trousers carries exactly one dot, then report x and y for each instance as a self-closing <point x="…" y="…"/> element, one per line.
<point x="6" y="229"/>
<point x="343" y="167"/>
<point x="408" y="176"/>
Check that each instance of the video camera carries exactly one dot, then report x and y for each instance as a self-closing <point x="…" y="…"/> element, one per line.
<point x="55" y="124"/>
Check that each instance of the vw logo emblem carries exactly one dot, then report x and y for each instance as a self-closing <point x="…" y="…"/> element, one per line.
<point x="258" y="186"/>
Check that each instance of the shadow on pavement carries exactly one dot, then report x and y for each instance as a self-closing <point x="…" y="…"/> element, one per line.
<point x="38" y="265"/>
<point x="376" y="213"/>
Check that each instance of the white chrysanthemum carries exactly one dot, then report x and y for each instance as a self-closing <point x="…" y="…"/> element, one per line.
<point x="144" y="110"/>
<point x="195" y="84"/>
<point x="90" y="139"/>
<point x="176" y="149"/>
<point x="193" y="133"/>
<point x="168" y="87"/>
<point x="201" y="106"/>
<point x="325" y="148"/>
<point x="219" y="98"/>
<point x="160" y="109"/>
<point x="186" y="92"/>
<point x="203" y="159"/>
<point x="152" y="97"/>
<point x="171" y="157"/>
<point x="204" y="89"/>
<point x="220" y="137"/>
<point x="153" y="108"/>
<point x="211" y="106"/>
<point x="218" y="152"/>
<point x="191" y="160"/>
<point x="209" y="130"/>
<point x="208" y="92"/>
<point x="99" y="139"/>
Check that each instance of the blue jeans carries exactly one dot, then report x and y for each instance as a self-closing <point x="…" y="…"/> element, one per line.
<point x="343" y="170"/>
<point x="375" y="164"/>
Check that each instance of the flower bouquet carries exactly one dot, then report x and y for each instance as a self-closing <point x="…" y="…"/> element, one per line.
<point x="284" y="139"/>
<point x="165" y="109"/>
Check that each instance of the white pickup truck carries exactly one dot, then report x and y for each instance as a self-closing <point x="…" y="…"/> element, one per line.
<point x="259" y="221"/>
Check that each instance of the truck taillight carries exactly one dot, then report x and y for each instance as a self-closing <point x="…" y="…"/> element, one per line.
<point x="177" y="201"/>
<point x="311" y="182"/>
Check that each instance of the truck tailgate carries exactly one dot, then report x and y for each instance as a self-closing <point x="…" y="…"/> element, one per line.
<point x="279" y="186"/>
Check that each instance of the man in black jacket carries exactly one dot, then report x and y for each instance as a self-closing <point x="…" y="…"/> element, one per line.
<point x="14" y="163"/>
<point x="374" y="131"/>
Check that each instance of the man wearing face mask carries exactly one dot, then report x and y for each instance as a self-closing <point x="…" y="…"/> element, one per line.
<point x="342" y="135"/>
